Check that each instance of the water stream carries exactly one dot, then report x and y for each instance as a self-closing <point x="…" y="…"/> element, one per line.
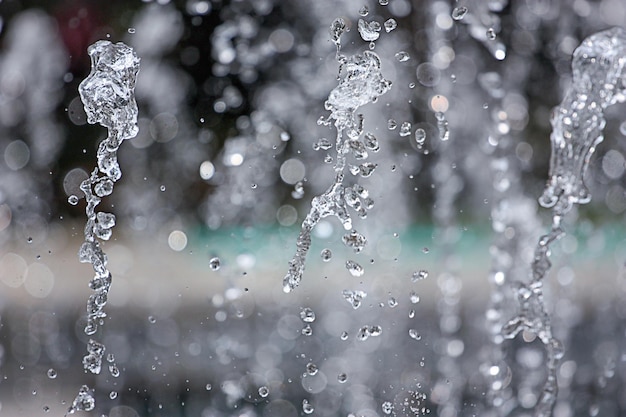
<point x="360" y="82"/>
<point x="108" y="97"/>
<point x="577" y="125"/>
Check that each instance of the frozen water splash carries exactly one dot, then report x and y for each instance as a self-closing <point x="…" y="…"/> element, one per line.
<point x="108" y="92"/>
<point x="84" y="401"/>
<point x="354" y="297"/>
<point x="360" y="82"/>
<point x="369" y="31"/>
<point x="108" y="97"/>
<point x="337" y="28"/>
<point x="577" y="123"/>
<point x="92" y="362"/>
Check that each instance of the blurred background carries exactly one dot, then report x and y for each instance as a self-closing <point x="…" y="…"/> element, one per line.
<point x="249" y="78"/>
<point x="226" y="164"/>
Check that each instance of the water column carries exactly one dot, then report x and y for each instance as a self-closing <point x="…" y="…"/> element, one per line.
<point x="513" y="214"/>
<point x="447" y="185"/>
<point x="577" y="124"/>
<point x="360" y="82"/>
<point x="514" y="223"/>
<point x="108" y="97"/>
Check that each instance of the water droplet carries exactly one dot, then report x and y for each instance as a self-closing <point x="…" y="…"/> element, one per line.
<point x="307" y="315"/>
<point x="387" y="407"/>
<point x="344" y="335"/>
<point x="307" y="407"/>
<point x="72" y="199"/>
<point x="264" y="391"/>
<point x="363" y="333"/>
<point x="414" y="297"/>
<point x="411" y="313"/>
<point x="402" y="56"/>
<point x="364" y="11"/>
<point x="162" y="188"/>
<point x="52" y="374"/>
<point x="354" y="268"/>
<point x="285" y="136"/>
<point x="370" y="142"/>
<point x="326" y="255"/>
<point x="323" y="144"/>
<point x="425" y="250"/>
<point x="390" y="24"/>
<point x="46" y="408"/>
<point x="103" y="187"/>
<point x="84" y="401"/>
<point x="491" y="34"/>
<point x="459" y="13"/>
<point x="369" y="31"/>
<point x="29" y="239"/>
<point x="307" y="330"/>
<point x="391" y="124"/>
<point x="106" y="220"/>
<point x="420" y="136"/>
<point x="208" y="387"/>
<point x="376" y="330"/>
<point x="152" y="319"/>
<point x="419" y="275"/>
<point x="114" y="371"/>
<point x="354" y="297"/>
<point x="92" y="362"/>
<point x="337" y="28"/>
<point x="354" y="240"/>
<point x="392" y="302"/>
<point x="215" y="263"/>
<point x="113" y="395"/>
<point x="342" y="378"/>
<point x="311" y="368"/>
<point x="131" y="30"/>
<point x="415" y="334"/>
<point x="110" y="358"/>
<point x="405" y="129"/>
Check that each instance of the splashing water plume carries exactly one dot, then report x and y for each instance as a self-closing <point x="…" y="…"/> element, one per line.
<point x="108" y="97"/>
<point x="442" y="292"/>
<point x="577" y="125"/>
<point x="361" y="83"/>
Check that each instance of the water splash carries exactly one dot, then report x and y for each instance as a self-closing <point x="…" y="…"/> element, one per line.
<point x="369" y="31"/>
<point x="577" y="125"/>
<point x="361" y="82"/>
<point x="458" y="13"/>
<point x="578" y="121"/>
<point x="108" y="97"/>
<point x="354" y="297"/>
<point x="84" y="401"/>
